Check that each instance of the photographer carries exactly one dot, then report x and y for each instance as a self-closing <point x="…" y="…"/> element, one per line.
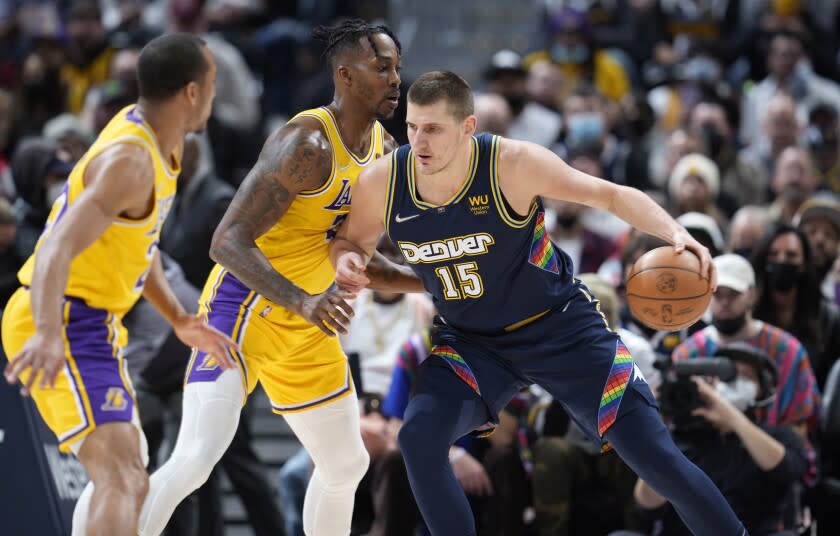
<point x="732" y="321"/>
<point x="755" y="466"/>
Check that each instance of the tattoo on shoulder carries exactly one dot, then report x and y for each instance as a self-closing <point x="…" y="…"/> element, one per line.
<point x="290" y="161"/>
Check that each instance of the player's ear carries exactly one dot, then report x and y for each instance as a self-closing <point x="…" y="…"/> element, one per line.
<point x="192" y="91"/>
<point x="469" y="125"/>
<point x="342" y="74"/>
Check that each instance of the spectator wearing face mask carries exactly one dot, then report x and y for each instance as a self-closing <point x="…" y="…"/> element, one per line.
<point x="755" y="465"/>
<point x="531" y="121"/>
<point x="742" y="180"/>
<point x="587" y="249"/>
<point x="790" y="296"/>
<point x="733" y="321"/>
<point x="39" y="169"/>
<point x="819" y="219"/>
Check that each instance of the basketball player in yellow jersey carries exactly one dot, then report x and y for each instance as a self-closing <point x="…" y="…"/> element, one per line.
<point x="98" y="253"/>
<point x="272" y="290"/>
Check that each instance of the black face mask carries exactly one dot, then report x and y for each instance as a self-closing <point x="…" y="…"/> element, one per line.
<point x="782" y="276"/>
<point x="713" y="140"/>
<point x="516" y="103"/>
<point x="730" y="326"/>
<point x="567" y="221"/>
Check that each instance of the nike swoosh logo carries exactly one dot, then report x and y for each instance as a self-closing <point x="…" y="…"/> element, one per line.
<point x="400" y="220"/>
<point x="342" y="168"/>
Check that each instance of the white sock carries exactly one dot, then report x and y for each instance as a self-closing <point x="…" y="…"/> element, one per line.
<point x="331" y="435"/>
<point x="210" y="417"/>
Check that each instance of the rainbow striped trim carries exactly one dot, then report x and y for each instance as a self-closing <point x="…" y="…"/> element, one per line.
<point x="543" y="254"/>
<point x="617" y="382"/>
<point x="459" y="366"/>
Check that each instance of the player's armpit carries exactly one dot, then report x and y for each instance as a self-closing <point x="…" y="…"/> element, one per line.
<point x="365" y="222"/>
<point x="294" y="159"/>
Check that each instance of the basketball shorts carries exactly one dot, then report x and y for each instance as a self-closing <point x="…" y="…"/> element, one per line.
<point x="94" y="387"/>
<point x="297" y="364"/>
<point x="570" y="352"/>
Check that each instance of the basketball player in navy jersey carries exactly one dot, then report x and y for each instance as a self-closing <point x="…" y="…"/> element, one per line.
<point x="465" y="211"/>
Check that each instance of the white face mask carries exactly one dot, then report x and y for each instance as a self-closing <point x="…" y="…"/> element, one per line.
<point x="740" y="393"/>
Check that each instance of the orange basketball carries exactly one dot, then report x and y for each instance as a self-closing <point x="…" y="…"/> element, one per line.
<point x="666" y="291"/>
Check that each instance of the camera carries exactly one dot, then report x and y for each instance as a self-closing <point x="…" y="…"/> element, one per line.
<point x="678" y="394"/>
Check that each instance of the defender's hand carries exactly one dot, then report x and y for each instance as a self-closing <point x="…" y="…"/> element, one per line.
<point x="42" y="354"/>
<point x="682" y="241"/>
<point x="195" y="333"/>
<point x="350" y="272"/>
<point x="328" y="311"/>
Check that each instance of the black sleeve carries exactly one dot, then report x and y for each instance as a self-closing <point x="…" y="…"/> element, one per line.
<point x="795" y="461"/>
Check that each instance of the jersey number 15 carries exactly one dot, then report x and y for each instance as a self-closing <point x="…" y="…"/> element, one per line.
<point x="469" y="283"/>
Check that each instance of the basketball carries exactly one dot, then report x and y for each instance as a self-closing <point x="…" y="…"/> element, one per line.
<point x="666" y="291"/>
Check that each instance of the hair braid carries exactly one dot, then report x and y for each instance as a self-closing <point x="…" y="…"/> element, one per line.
<point x="346" y="35"/>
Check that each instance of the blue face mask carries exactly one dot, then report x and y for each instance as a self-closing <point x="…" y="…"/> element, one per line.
<point x="584" y="128"/>
<point x="576" y="54"/>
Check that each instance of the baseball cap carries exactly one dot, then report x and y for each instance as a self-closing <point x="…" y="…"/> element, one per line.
<point x="504" y="60"/>
<point x="816" y="208"/>
<point x="735" y="272"/>
<point x="697" y="221"/>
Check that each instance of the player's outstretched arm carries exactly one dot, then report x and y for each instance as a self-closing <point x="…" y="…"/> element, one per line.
<point x="120" y="181"/>
<point x="294" y="159"/>
<point x="355" y="244"/>
<point x="528" y="170"/>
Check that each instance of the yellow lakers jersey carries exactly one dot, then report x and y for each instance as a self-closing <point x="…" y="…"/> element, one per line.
<point x="298" y="245"/>
<point x="111" y="272"/>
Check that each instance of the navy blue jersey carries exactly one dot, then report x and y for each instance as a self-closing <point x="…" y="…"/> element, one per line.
<point x="487" y="268"/>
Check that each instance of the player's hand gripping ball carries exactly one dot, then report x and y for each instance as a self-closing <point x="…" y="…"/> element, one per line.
<point x="666" y="290"/>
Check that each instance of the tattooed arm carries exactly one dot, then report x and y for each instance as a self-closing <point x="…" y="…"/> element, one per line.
<point x="296" y="158"/>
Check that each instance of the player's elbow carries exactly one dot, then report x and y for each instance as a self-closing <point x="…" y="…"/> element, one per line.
<point x="220" y="244"/>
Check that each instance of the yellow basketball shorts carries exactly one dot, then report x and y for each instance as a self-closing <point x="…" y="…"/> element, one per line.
<point x="297" y="364"/>
<point x="94" y="387"/>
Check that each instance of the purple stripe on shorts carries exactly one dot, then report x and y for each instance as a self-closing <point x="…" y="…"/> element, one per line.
<point x="88" y="334"/>
<point x="230" y="299"/>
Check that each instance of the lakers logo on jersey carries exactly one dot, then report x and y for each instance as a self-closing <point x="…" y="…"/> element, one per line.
<point x="343" y="197"/>
<point x="115" y="400"/>
<point x="209" y="363"/>
<point x="479" y="204"/>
